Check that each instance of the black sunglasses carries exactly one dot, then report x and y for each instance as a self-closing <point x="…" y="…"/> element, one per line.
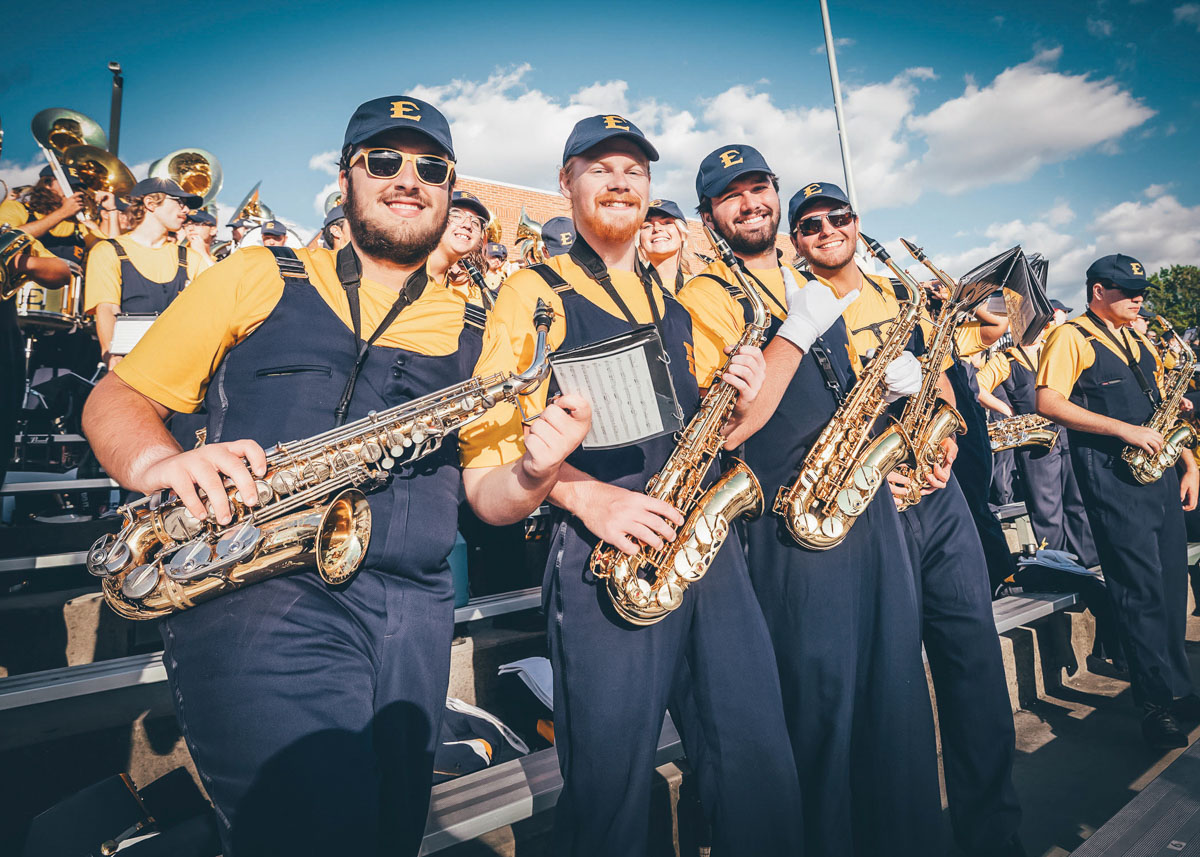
<point x="838" y="218"/>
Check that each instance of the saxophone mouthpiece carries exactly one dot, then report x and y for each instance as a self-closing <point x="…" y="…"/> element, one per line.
<point x="543" y="316"/>
<point x="875" y="247"/>
<point x="917" y="252"/>
<point x="722" y="247"/>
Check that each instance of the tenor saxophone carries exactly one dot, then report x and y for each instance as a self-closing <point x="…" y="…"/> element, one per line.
<point x="312" y="506"/>
<point x="847" y="463"/>
<point x="1177" y="434"/>
<point x="1022" y="430"/>
<point x="647" y="586"/>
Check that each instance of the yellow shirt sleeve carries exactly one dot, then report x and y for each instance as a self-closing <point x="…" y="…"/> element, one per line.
<point x="994" y="373"/>
<point x="182" y="349"/>
<point x="13" y="213"/>
<point x="717" y="321"/>
<point x="968" y="338"/>
<point x="509" y="341"/>
<point x="1065" y="356"/>
<point x="102" y="280"/>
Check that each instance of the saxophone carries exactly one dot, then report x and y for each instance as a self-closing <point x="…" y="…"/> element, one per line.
<point x="927" y="419"/>
<point x="847" y="464"/>
<point x="647" y="586"/>
<point x="1177" y="434"/>
<point x="485" y="293"/>
<point x="312" y="506"/>
<point x="1022" y="430"/>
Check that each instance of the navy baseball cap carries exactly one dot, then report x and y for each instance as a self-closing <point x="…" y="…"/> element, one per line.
<point x="823" y="191"/>
<point x="558" y="234"/>
<point x="335" y="214"/>
<point x="395" y="112"/>
<point x="497" y="251"/>
<point x="73" y="178"/>
<point x="723" y="165"/>
<point x="274" y="228"/>
<point x="121" y="203"/>
<point x="240" y="223"/>
<point x="1059" y="305"/>
<point x="202" y="217"/>
<point x="1123" y="271"/>
<point x="664" y="206"/>
<point x="596" y="129"/>
<point x="148" y="186"/>
<point x="465" y="199"/>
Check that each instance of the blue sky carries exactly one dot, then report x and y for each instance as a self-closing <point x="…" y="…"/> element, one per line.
<point x="1067" y="127"/>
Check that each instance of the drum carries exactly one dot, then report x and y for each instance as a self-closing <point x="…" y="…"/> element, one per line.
<point x="40" y="308"/>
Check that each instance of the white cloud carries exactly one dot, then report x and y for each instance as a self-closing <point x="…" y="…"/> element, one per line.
<point x="819" y="50"/>
<point x="1158" y="233"/>
<point x="1188" y="13"/>
<point x="1154" y="191"/>
<point x="1061" y="214"/>
<point x="325" y="162"/>
<point x="14" y="176"/>
<point x="1099" y="28"/>
<point x="998" y="20"/>
<point x="1000" y="133"/>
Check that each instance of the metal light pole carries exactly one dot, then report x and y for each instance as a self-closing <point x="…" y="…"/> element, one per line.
<point x="843" y="136"/>
<point x="114" y="114"/>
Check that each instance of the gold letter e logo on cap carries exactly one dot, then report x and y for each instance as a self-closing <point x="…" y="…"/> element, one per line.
<point x="811" y="189"/>
<point x="1136" y="268"/>
<point x="730" y="157"/>
<point x="616" y="122"/>
<point x="406" y="110"/>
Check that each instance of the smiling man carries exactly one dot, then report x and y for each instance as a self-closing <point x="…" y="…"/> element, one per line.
<point x="312" y="711"/>
<point x="613" y="680"/>
<point x="1100" y="379"/>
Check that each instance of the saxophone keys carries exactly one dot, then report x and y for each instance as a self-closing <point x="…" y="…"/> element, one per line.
<point x="866" y="478"/>
<point x="370" y="452"/>
<point x="262" y="491"/>
<point x="238" y="543"/>
<point x="387" y="462"/>
<point x="180" y="524"/>
<point x="832" y="528"/>
<point x="188" y="561"/>
<point x="808" y="523"/>
<point x="689" y="564"/>
<point x="107" y="556"/>
<point x="284" y="482"/>
<point x="851" y="502"/>
<point x="140" y="582"/>
<point x="669" y="595"/>
<point x="637" y="591"/>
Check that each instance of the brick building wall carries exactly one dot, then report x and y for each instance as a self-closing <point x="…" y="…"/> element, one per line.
<point x="506" y="200"/>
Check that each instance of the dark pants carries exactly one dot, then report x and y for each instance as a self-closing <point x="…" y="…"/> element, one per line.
<point x="960" y="638"/>
<point x="1142" y="544"/>
<point x="612" y="684"/>
<point x="1003" y="465"/>
<point x="312" y="713"/>
<point x="1052" y="499"/>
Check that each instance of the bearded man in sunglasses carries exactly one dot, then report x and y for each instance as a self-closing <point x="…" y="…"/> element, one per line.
<point x="1102" y="380"/>
<point x="312" y="711"/>
<point x="843" y="621"/>
<point x="613" y="680"/>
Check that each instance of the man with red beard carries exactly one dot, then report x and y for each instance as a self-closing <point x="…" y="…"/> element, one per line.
<point x="612" y="680"/>
<point x="312" y="711"/>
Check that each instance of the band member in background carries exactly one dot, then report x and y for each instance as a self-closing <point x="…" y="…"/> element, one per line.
<point x="199" y="231"/>
<point x="558" y="234"/>
<point x="38" y="264"/>
<point x="55" y="221"/>
<point x="1100" y="381"/>
<point x="335" y="233"/>
<point x="238" y="229"/>
<point x="716" y="637"/>
<point x="1051" y="493"/>
<point x="143" y="270"/>
<point x="312" y="711"/>
<point x="496" y="255"/>
<point x="274" y="234"/>
<point x="844" y="621"/>
<point x="464" y="233"/>
<point x="663" y="242"/>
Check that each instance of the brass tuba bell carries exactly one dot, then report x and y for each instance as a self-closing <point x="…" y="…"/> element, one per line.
<point x="195" y="170"/>
<point x="529" y="240"/>
<point x="58" y="129"/>
<point x="494" y="231"/>
<point x="253" y="208"/>
<point x="333" y="201"/>
<point x="98" y="169"/>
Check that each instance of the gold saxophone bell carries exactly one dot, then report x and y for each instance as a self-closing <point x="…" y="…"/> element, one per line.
<point x="58" y="129"/>
<point x="195" y="170"/>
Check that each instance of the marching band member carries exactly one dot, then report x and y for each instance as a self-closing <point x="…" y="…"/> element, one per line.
<point x="495" y="255"/>
<point x="237" y="231"/>
<point x="1100" y="381"/>
<point x="274" y="234"/>
<point x="844" y="621"/>
<point x="198" y="233"/>
<point x="334" y="232"/>
<point x="1051" y="493"/>
<point x="311" y="711"/>
<point x="558" y="234"/>
<point x="464" y="234"/>
<point x="49" y="217"/>
<point x="142" y="271"/>
<point x="612" y="680"/>
<point x="663" y="241"/>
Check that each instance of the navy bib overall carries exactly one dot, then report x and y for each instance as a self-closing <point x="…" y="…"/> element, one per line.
<point x="845" y="627"/>
<point x="312" y="711"/>
<point x="613" y="681"/>
<point x="1139" y="529"/>
<point x="140" y="294"/>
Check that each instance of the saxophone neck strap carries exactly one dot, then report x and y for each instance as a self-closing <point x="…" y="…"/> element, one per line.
<point x="1123" y="346"/>
<point x="589" y="260"/>
<point x="349" y="271"/>
<point x="820" y="353"/>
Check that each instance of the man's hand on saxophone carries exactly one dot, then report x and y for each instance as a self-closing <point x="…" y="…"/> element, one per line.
<point x="206" y="469"/>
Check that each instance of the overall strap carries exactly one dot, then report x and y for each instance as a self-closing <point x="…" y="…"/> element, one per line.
<point x="734" y="292"/>
<point x="474" y="316"/>
<point x="553" y="279"/>
<point x="183" y="258"/>
<point x="1130" y="360"/>
<point x="116" y="245"/>
<point x="289" y="264"/>
<point x="820" y="353"/>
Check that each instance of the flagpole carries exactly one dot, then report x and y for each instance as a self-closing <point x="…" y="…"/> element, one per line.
<point x="843" y="136"/>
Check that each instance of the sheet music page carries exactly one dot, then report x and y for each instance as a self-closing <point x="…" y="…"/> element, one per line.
<point x="127" y="331"/>
<point x="621" y="392"/>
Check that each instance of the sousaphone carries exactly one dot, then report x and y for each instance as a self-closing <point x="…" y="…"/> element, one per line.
<point x="195" y="170"/>
<point x="252" y="208"/>
<point x="333" y="201"/>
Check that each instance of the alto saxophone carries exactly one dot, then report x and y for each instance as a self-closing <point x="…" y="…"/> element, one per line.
<point x="647" y="586"/>
<point x="927" y="419"/>
<point x="1022" y="430"/>
<point x="1177" y="434"/>
<point x="847" y="464"/>
<point x="311" y="503"/>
